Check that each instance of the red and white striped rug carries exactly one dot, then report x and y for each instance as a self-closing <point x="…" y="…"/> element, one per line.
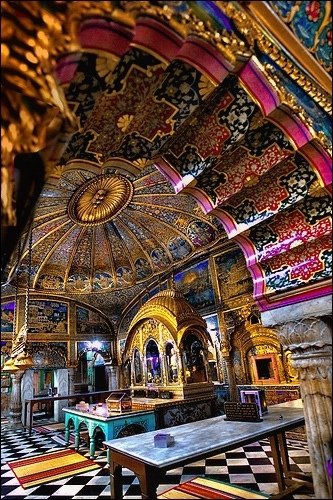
<point x="50" y="467"/>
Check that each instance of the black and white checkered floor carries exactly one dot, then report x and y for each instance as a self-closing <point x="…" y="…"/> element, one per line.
<point x="251" y="466"/>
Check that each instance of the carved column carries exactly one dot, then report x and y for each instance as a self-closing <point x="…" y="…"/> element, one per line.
<point x="206" y="364"/>
<point x="112" y="375"/>
<point x="227" y="326"/>
<point x="27" y="390"/>
<point x="164" y="370"/>
<point x="219" y="364"/>
<point x="15" y="404"/>
<point x="71" y="377"/>
<point x="310" y="343"/>
<point x="231" y="378"/>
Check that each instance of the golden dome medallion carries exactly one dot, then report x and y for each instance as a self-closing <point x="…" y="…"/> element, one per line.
<point x="100" y="199"/>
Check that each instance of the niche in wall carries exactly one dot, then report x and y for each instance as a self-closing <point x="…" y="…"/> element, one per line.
<point x="265" y="368"/>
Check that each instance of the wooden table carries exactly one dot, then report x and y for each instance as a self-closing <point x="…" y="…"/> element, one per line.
<point x="111" y="425"/>
<point x="199" y="440"/>
<point x="29" y="403"/>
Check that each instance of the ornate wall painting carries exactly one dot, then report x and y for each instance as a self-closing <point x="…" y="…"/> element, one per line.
<point x="142" y="268"/>
<point x="121" y="343"/>
<point x="200" y="233"/>
<point x="50" y="282"/>
<point x="214" y="332"/>
<point x="46" y="316"/>
<point x="102" y="281"/>
<point x="90" y="322"/>
<point x="102" y="346"/>
<point x="125" y="276"/>
<point x="160" y="258"/>
<point x="78" y="282"/>
<point x="49" y="354"/>
<point x="159" y="288"/>
<point x="129" y="316"/>
<point x="195" y="283"/>
<point x="7" y="317"/>
<point x="179" y="248"/>
<point x="213" y="327"/>
<point x="234" y="279"/>
<point x="311" y="23"/>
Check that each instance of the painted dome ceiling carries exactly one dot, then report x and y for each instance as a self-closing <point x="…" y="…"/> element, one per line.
<point x="180" y="124"/>
<point x="99" y="233"/>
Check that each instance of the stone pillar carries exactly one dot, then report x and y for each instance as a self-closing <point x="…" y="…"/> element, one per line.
<point x="112" y="374"/>
<point x="15" y="404"/>
<point x="231" y="378"/>
<point x="164" y="369"/>
<point x="27" y="390"/>
<point x="71" y="379"/>
<point x="219" y="364"/>
<point x="227" y="326"/>
<point x="310" y="343"/>
<point x="61" y="383"/>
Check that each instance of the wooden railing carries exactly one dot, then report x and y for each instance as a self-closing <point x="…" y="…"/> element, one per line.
<point x="93" y="397"/>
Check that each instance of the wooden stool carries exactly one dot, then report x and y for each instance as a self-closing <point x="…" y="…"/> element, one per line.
<point x="201" y="488"/>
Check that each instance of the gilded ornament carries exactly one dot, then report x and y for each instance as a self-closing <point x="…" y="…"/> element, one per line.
<point x="255" y="37"/>
<point x="206" y="86"/>
<point x="32" y="37"/>
<point x="105" y="65"/>
<point x="100" y="199"/>
<point x="178" y="21"/>
<point x="124" y="122"/>
<point x="77" y="12"/>
<point x="290" y="100"/>
<point x="232" y="48"/>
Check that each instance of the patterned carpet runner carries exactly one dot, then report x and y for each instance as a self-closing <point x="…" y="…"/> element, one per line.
<point x="46" y="429"/>
<point x="203" y="488"/>
<point x="50" y="467"/>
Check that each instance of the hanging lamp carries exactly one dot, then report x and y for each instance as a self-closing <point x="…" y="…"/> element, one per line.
<point x="23" y="360"/>
<point x="9" y="365"/>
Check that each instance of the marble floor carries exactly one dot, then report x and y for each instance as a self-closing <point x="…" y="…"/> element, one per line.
<point x="250" y="466"/>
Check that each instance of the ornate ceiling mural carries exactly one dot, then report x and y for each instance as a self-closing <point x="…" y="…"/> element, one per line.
<point x="183" y="124"/>
<point x="98" y="233"/>
<point x="311" y="22"/>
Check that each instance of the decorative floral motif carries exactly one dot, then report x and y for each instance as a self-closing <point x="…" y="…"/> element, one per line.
<point x="243" y="163"/>
<point x="105" y="66"/>
<point x="206" y="86"/>
<point x="203" y="138"/>
<point x="135" y="76"/>
<point x="124" y="122"/>
<point x="313" y="11"/>
<point x="286" y="185"/>
<point x="289" y="230"/>
<point x="311" y="22"/>
<point x="301" y="265"/>
<point x="85" y="86"/>
<point x="324" y="47"/>
<point x="79" y="147"/>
